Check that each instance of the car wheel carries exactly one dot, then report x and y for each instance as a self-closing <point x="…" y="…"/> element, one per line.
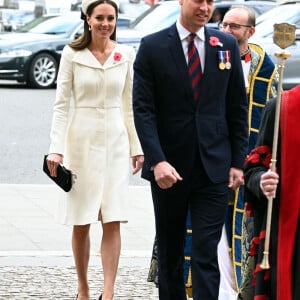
<point x="43" y="71"/>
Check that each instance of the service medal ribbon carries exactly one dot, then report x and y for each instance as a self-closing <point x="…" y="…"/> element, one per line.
<point x="221" y="60"/>
<point x="227" y="59"/>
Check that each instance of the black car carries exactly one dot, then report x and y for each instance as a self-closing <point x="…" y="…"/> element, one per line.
<point x="33" y="56"/>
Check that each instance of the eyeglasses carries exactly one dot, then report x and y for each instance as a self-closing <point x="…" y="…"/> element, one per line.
<point x="233" y="26"/>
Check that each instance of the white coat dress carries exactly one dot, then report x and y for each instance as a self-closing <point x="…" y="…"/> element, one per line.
<point x="97" y="135"/>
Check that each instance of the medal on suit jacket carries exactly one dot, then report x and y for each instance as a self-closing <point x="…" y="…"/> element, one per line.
<point x="221" y="60"/>
<point x="227" y="59"/>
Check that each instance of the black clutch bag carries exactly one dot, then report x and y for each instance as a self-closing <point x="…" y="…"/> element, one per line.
<point x="64" y="178"/>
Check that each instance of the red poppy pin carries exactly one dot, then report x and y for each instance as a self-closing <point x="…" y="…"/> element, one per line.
<point x="117" y="56"/>
<point x="214" y="41"/>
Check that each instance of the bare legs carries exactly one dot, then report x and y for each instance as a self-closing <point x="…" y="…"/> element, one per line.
<point x="110" y="253"/>
<point x="81" y="252"/>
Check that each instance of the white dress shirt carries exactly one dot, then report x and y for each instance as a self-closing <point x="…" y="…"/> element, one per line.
<point x="199" y="42"/>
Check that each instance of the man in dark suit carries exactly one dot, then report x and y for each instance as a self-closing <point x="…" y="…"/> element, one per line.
<point x="194" y="140"/>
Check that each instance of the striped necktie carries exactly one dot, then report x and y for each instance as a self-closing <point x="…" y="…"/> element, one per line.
<point x="194" y="66"/>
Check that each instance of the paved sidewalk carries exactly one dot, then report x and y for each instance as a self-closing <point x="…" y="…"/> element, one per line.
<point x="35" y="252"/>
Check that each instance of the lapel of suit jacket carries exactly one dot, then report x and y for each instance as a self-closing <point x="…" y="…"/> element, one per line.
<point x="175" y="47"/>
<point x="210" y="52"/>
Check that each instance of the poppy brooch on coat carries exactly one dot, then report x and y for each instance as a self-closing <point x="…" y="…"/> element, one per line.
<point x="214" y="41"/>
<point x="117" y="57"/>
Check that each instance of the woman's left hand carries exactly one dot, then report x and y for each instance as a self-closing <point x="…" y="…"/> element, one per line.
<point x="137" y="163"/>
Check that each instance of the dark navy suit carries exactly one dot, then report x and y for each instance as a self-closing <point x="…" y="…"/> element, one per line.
<point x="202" y="139"/>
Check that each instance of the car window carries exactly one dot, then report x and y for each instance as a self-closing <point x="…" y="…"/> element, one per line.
<point x="280" y="14"/>
<point x="34" y="23"/>
<point x="56" y="25"/>
<point x="158" y="17"/>
<point x="143" y="15"/>
<point x="260" y="9"/>
<point x="133" y="9"/>
<point x="76" y="6"/>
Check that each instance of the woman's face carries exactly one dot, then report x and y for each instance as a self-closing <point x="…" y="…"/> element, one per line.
<point x="102" y="21"/>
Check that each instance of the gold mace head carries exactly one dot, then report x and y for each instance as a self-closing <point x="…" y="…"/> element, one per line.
<point x="284" y="35"/>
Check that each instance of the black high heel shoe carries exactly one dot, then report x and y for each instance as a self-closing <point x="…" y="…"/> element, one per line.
<point x="100" y="297"/>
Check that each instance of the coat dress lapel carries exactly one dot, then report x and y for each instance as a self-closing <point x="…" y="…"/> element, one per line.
<point x="85" y="57"/>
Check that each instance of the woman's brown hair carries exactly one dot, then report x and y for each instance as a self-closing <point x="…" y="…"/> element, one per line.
<point x="85" y="39"/>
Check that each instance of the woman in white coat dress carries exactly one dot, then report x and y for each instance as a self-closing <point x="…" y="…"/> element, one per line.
<point x="98" y="139"/>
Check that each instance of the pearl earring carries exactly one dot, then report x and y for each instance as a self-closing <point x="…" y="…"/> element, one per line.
<point x="90" y="28"/>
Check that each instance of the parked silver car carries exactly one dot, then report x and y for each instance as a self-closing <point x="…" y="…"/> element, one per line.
<point x="285" y="13"/>
<point x="165" y="13"/>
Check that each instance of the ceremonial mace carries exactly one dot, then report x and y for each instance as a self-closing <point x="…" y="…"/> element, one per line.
<point x="284" y="36"/>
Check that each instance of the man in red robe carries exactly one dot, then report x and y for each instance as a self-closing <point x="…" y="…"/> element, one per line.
<point x="282" y="280"/>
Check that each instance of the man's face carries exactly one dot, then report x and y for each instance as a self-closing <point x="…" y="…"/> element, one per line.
<point x="195" y="13"/>
<point x="235" y="22"/>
